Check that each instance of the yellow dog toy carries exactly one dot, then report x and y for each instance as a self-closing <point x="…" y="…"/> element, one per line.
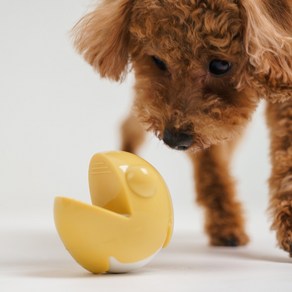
<point x="130" y="220"/>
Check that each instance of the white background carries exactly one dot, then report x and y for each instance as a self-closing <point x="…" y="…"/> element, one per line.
<point x="55" y="113"/>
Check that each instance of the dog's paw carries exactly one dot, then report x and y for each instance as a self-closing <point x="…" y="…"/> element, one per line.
<point x="286" y="244"/>
<point x="283" y="225"/>
<point x="233" y="239"/>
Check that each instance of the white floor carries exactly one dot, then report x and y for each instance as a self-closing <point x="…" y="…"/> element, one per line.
<point x="34" y="259"/>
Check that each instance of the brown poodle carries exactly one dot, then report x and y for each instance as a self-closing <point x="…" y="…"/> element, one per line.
<point x="201" y="67"/>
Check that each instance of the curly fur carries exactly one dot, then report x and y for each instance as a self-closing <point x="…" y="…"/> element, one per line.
<point x="269" y="47"/>
<point x="256" y="37"/>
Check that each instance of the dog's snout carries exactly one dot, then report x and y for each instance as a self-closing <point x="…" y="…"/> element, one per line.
<point x="177" y="140"/>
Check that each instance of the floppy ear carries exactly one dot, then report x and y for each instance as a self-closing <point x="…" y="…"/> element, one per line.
<point x="268" y="43"/>
<point x="102" y="38"/>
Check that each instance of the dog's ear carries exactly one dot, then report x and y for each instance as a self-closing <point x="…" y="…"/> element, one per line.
<point x="102" y="37"/>
<point x="268" y="43"/>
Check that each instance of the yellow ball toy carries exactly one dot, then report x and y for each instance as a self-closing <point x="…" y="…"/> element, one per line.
<point x="129" y="221"/>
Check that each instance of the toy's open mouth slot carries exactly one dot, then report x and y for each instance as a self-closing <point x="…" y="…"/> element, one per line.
<point x="106" y="188"/>
<point x="118" y="203"/>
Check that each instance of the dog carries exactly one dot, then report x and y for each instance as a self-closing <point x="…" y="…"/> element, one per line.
<point x="201" y="67"/>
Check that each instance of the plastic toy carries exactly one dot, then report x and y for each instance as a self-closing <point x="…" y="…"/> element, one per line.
<point x="130" y="220"/>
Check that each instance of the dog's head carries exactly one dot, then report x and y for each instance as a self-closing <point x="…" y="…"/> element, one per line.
<point x="201" y="66"/>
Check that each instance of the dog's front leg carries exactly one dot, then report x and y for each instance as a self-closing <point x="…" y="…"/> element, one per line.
<point x="132" y="134"/>
<point x="216" y="193"/>
<point x="279" y="117"/>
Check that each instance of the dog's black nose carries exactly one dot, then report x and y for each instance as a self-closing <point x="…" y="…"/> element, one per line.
<point x="177" y="140"/>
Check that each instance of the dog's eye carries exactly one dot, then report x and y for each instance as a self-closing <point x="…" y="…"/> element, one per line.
<point x="219" y="67"/>
<point x="160" y="64"/>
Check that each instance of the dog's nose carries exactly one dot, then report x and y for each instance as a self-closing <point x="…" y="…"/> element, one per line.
<point x="177" y="140"/>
